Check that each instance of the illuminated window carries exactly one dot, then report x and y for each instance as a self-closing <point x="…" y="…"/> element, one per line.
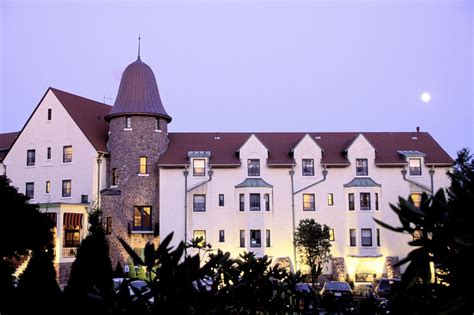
<point x="30" y="157"/>
<point x="221" y="200"/>
<point x="50" y="114"/>
<point x="221" y="236"/>
<point x="199" y="167"/>
<point x="108" y="225"/>
<point x="199" y="203"/>
<point x="128" y="122"/>
<point x="114" y="177"/>
<point x="376" y="201"/>
<point x="201" y="235"/>
<point x="362" y="167"/>
<point x="308" y="167"/>
<point x="364" y="201"/>
<point x="352" y="237"/>
<point x="266" y="197"/>
<point x="330" y="199"/>
<point x="66" y="188"/>
<point x="366" y="237"/>
<point x="267" y="238"/>
<point x="30" y="190"/>
<point x="416" y="198"/>
<point x="414" y="167"/>
<point x="241" y="202"/>
<point x="308" y="202"/>
<point x="48" y="153"/>
<point x="143" y="165"/>
<point x="351" y="202"/>
<point x="253" y="167"/>
<point x="242" y="238"/>
<point x="48" y="187"/>
<point x="254" y="202"/>
<point x="255" y="238"/>
<point x="72" y="237"/>
<point x="331" y="234"/>
<point x="67" y="154"/>
<point x="378" y="237"/>
<point x="142" y="218"/>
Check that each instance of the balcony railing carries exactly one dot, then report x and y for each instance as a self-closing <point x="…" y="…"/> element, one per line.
<point x="69" y="252"/>
<point x="143" y="229"/>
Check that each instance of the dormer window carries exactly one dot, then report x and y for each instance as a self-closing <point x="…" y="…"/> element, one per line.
<point x="414" y="165"/>
<point x="253" y="167"/>
<point x="128" y="122"/>
<point x="308" y="167"/>
<point x="362" y="168"/>
<point x="199" y="167"/>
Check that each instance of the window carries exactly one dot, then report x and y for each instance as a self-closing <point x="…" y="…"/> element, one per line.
<point x="48" y="187"/>
<point x="416" y="198"/>
<point x="199" y="203"/>
<point x="331" y="234"/>
<point x="114" y="177"/>
<point x="253" y="167"/>
<point x="254" y="202"/>
<point x="414" y="167"/>
<point x="378" y="237"/>
<point x="128" y="122"/>
<point x="143" y="165"/>
<point x="157" y="127"/>
<point x="66" y="191"/>
<point x="352" y="237"/>
<point x="364" y="201"/>
<point x="255" y="238"/>
<point x="221" y="236"/>
<point x="267" y="238"/>
<point x="241" y="202"/>
<point x="376" y="201"/>
<point x="48" y="153"/>
<point x="221" y="200"/>
<point x="199" y="167"/>
<point x="242" y="238"/>
<point x="308" y="167"/>
<point x="67" y="154"/>
<point x="308" y="202"/>
<point x="72" y="237"/>
<point x="266" y="197"/>
<point x="30" y="190"/>
<point x="108" y="225"/>
<point x="201" y="234"/>
<point x="142" y="218"/>
<point x="30" y="157"/>
<point x="361" y="167"/>
<point x="351" y="202"/>
<point x="50" y="113"/>
<point x="366" y="235"/>
<point x="330" y="199"/>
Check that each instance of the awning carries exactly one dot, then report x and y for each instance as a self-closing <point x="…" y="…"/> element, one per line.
<point x="52" y="217"/>
<point x="72" y="219"/>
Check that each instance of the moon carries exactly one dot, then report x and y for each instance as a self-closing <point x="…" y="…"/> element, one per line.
<point x="425" y="97"/>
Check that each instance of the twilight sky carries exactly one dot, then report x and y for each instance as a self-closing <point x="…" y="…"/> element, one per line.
<point x="253" y="65"/>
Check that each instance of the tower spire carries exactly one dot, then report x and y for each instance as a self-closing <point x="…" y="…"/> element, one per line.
<point x="139" y="38"/>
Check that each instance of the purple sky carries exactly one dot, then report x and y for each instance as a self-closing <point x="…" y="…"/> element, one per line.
<point x="253" y="65"/>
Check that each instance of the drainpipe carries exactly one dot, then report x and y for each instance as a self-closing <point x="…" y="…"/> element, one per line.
<point x="99" y="161"/>
<point x="404" y="174"/>
<point x="432" y="171"/>
<point x="293" y="193"/>
<point x="209" y="173"/>
<point x="185" y="173"/>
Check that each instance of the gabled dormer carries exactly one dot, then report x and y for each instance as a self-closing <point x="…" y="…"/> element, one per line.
<point x="361" y="155"/>
<point x="253" y="155"/>
<point x="307" y="155"/>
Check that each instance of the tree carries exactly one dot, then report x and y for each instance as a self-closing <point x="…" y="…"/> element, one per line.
<point x="22" y="228"/>
<point x="442" y="231"/>
<point x="313" y="245"/>
<point x="90" y="283"/>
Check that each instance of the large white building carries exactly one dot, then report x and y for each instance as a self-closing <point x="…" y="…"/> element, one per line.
<point x="241" y="191"/>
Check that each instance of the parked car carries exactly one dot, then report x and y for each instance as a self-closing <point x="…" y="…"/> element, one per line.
<point x="306" y="298"/>
<point x="135" y="286"/>
<point x="384" y="286"/>
<point x="336" y="296"/>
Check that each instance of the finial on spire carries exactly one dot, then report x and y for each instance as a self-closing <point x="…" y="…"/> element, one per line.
<point x="139" y="38"/>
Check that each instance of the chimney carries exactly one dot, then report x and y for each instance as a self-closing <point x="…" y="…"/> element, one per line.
<point x="417" y="129"/>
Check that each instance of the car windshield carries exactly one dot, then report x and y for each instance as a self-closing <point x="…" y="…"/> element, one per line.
<point x="385" y="285"/>
<point x="140" y="285"/>
<point x="339" y="286"/>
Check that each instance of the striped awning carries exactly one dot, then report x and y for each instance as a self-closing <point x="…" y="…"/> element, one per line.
<point x="52" y="217"/>
<point x="72" y="219"/>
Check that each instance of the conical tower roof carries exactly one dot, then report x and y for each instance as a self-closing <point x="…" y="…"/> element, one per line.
<point x="138" y="93"/>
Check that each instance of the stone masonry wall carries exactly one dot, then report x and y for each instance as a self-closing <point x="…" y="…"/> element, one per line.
<point x="126" y="147"/>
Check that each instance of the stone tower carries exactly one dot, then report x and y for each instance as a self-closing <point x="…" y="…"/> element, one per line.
<point x="138" y="136"/>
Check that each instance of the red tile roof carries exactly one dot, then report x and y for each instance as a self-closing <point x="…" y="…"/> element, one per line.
<point x="88" y="115"/>
<point x="224" y="146"/>
<point x="6" y="141"/>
